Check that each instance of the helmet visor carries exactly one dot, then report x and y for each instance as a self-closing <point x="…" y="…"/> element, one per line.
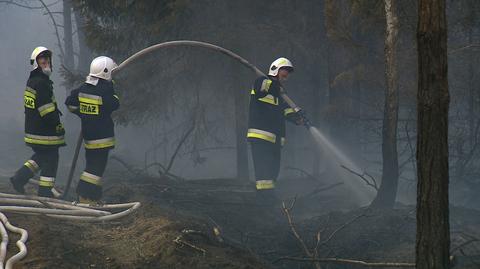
<point x="288" y="68"/>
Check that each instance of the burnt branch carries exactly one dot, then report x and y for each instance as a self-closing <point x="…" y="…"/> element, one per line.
<point x="291" y="224"/>
<point x="181" y="241"/>
<point x="348" y="261"/>
<point x="180" y="143"/>
<point x="370" y="182"/>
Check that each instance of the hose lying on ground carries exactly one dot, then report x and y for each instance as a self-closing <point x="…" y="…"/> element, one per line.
<point x="3" y="245"/>
<point x="63" y="209"/>
<point x="55" y="208"/>
<point x="20" y="243"/>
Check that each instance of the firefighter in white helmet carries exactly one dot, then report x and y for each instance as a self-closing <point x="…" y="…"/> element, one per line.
<point x="44" y="132"/>
<point x="266" y="127"/>
<point x="94" y="103"/>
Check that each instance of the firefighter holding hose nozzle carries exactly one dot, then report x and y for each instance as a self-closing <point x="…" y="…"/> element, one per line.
<point x="266" y="127"/>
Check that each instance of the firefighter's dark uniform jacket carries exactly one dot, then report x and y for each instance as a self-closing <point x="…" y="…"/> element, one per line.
<point x="266" y="130"/>
<point x="268" y="112"/>
<point x="94" y="105"/>
<point x="42" y="117"/>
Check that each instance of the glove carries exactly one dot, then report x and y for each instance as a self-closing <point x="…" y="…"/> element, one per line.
<point x="59" y="129"/>
<point x="301" y="119"/>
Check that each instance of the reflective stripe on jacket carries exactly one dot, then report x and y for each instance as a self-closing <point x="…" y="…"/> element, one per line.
<point x="42" y="116"/>
<point x="94" y="105"/>
<point x="266" y="112"/>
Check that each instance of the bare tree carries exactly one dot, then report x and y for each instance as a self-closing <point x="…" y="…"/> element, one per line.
<point x="388" y="189"/>
<point x="433" y="231"/>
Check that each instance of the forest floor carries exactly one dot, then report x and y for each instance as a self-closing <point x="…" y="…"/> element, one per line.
<point x="217" y="223"/>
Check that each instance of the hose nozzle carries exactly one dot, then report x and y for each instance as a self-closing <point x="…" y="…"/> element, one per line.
<point x="302" y="114"/>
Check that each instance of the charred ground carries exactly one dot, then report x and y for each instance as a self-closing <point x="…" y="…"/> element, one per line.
<point x="216" y="223"/>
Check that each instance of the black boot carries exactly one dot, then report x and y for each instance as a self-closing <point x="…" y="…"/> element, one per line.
<point x="45" y="192"/>
<point x="89" y="193"/>
<point x="21" y="178"/>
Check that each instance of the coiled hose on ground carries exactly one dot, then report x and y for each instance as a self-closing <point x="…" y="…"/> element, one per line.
<point x="51" y="207"/>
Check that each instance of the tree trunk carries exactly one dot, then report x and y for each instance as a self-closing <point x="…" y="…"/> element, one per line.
<point x="240" y="97"/>
<point x="67" y="34"/>
<point x="471" y="91"/>
<point x="84" y="53"/>
<point x="433" y="235"/>
<point x="241" y="103"/>
<point x="240" y="94"/>
<point x="388" y="189"/>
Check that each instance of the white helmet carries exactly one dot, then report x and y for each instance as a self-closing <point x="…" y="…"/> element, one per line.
<point x="101" y="67"/>
<point x="279" y="63"/>
<point x="40" y="51"/>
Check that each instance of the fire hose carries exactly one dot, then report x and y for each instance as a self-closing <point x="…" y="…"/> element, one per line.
<point x="189" y="43"/>
<point x="54" y="208"/>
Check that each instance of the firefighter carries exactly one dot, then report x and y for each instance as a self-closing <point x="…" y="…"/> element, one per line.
<point x="94" y="103"/>
<point x="44" y="132"/>
<point x="266" y="128"/>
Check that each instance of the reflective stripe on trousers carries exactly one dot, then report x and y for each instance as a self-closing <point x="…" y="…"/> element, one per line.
<point x="32" y="165"/>
<point x="265" y="184"/>
<point x="100" y="143"/>
<point x="91" y="178"/>
<point x="44" y="140"/>
<point x="264" y="135"/>
<point x="46" y="181"/>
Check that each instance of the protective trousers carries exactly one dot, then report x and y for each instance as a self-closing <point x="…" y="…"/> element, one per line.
<point x="44" y="160"/>
<point x="90" y="185"/>
<point x="266" y="161"/>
